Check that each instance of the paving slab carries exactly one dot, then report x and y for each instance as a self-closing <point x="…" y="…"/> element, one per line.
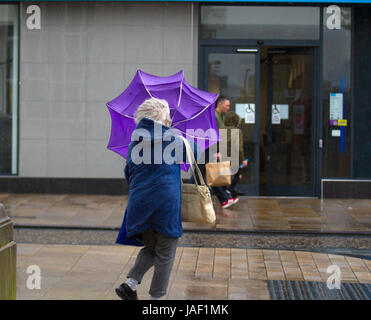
<point x="70" y="272"/>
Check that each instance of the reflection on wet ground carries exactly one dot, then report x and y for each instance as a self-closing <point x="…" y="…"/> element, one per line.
<point x="249" y="214"/>
<point x="255" y="247"/>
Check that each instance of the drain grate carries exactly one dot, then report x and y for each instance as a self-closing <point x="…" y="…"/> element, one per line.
<point x="310" y="290"/>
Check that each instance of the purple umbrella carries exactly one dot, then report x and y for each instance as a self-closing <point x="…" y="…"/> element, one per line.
<point x="190" y="108"/>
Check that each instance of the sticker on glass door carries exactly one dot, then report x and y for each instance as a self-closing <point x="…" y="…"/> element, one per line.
<point x="246" y="111"/>
<point x="276" y="114"/>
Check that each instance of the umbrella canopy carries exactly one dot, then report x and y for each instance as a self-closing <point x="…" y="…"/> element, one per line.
<point x="191" y="110"/>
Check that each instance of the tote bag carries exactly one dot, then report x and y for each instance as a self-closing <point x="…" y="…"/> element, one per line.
<point x="197" y="205"/>
<point x="218" y="174"/>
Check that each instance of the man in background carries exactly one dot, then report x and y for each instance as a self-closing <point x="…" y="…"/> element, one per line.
<point x="222" y="106"/>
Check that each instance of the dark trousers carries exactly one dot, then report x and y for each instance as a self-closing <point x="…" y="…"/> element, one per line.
<point x="222" y="194"/>
<point x="235" y="180"/>
<point x="159" y="251"/>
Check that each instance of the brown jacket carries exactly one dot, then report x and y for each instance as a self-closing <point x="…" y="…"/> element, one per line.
<point x="232" y="120"/>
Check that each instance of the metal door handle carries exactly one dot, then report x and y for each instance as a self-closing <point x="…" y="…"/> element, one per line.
<point x="320" y="143"/>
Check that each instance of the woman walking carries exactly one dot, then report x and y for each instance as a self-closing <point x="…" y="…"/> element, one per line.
<point x="153" y="213"/>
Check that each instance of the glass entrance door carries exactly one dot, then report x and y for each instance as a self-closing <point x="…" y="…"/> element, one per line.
<point x="288" y="147"/>
<point x="274" y="92"/>
<point x="235" y="73"/>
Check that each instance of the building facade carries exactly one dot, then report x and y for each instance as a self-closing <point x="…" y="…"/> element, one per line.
<point x="296" y="73"/>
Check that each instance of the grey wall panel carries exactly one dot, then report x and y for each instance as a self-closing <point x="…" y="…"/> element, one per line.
<point x="85" y="55"/>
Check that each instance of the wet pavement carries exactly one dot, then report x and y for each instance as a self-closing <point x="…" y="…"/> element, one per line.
<point x="357" y="246"/>
<point x="261" y="248"/>
<point x="248" y="215"/>
<point x="92" y="272"/>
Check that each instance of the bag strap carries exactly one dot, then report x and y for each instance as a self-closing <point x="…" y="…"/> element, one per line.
<point x="192" y="162"/>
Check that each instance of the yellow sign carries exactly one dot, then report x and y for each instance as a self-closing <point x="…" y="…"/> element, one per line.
<point x="342" y="122"/>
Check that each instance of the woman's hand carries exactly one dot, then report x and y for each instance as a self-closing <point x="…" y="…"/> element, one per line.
<point x="245" y="163"/>
<point x="218" y="156"/>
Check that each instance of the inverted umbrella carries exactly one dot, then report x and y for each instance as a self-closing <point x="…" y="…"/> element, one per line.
<point x="191" y="110"/>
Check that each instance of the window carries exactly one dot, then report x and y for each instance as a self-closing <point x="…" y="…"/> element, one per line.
<point x="249" y="22"/>
<point x="336" y="91"/>
<point x="9" y="30"/>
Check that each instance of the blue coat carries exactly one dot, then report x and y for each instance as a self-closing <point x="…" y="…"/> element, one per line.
<point x="154" y="189"/>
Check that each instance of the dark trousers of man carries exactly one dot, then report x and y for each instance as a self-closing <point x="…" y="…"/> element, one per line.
<point x="222" y="194"/>
<point x="232" y="187"/>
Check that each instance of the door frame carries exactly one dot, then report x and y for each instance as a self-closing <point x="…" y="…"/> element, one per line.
<point x="276" y="190"/>
<point x="206" y="46"/>
<point x="251" y="189"/>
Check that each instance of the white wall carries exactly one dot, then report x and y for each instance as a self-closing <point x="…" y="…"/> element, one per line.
<point x="85" y="55"/>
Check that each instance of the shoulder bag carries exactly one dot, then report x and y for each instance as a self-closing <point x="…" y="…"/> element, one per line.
<point x="197" y="205"/>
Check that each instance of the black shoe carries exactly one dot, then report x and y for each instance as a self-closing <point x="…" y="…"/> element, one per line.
<point x="125" y="293"/>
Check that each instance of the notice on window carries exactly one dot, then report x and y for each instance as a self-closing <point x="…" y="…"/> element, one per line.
<point x="250" y="113"/>
<point x="240" y="109"/>
<point x="246" y="111"/>
<point x="276" y="114"/>
<point x="336" y="133"/>
<point x="284" y="111"/>
<point x="336" y="106"/>
<point x="342" y="122"/>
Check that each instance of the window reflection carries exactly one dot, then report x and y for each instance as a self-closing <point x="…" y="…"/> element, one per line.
<point x="233" y="76"/>
<point x="336" y="79"/>
<point x="291" y="139"/>
<point x="249" y="22"/>
<point x="8" y="88"/>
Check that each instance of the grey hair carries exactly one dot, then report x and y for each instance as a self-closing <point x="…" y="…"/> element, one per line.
<point x="153" y="109"/>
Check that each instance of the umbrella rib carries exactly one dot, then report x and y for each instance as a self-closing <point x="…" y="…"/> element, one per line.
<point x="180" y="97"/>
<point x="125" y="115"/>
<point x="203" y="110"/>
<point x="115" y="147"/>
<point x="145" y="87"/>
